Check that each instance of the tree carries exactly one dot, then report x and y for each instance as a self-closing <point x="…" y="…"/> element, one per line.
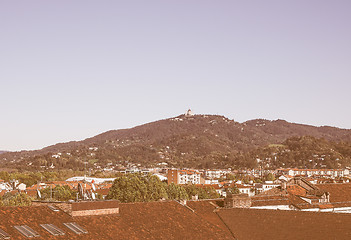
<point x="155" y="188"/>
<point x="207" y="193"/>
<point x="5" y="176"/>
<point x="59" y="193"/>
<point x="63" y="193"/>
<point x="145" y="188"/>
<point x="233" y="190"/>
<point x="128" y="188"/>
<point x="270" y="177"/>
<point x="137" y="188"/>
<point x="18" y="199"/>
<point x="176" y="192"/>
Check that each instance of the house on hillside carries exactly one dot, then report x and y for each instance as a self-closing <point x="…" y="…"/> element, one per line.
<point x="189" y="113"/>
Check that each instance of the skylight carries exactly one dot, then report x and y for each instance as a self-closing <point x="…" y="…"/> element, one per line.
<point x="53" y="208"/>
<point x="51" y="228"/>
<point x="75" y="228"/>
<point x="27" y="231"/>
<point x="4" y="235"/>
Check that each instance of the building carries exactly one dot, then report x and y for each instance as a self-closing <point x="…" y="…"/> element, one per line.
<point x="313" y="172"/>
<point x="183" y="176"/>
<point x="237" y="201"/>
<point x="213" y="174"/>
<point x="301" y="195"/>
<point x="189" y="113"/>
<point x="246" y="189"/>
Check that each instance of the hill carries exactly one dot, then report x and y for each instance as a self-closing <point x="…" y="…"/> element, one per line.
<point x="183" y="141"/>
<point x="303" y="152"/>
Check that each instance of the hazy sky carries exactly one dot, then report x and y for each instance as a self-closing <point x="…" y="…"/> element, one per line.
<point x="73" y="69"/>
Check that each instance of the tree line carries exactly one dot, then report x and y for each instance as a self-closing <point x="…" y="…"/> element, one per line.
<point x="147" y="188"/>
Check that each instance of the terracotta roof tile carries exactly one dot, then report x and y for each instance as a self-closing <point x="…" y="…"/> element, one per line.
<point x="264" y="200"/>
<point x="274" y="224"/>
<point x="338" y="192"/>
<point x="155" y="220"/>
<point x="296" y="190"/>
<point x="208" y="209"/>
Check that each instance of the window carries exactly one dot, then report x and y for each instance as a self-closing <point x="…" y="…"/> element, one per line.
<point x="4" y="235"/>
<point x="51" y="228"/>
<point x="74" y="227"/>
<point x="26" y="231"/>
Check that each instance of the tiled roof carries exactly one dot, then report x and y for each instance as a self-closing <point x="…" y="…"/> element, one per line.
<point x="257" y="201"/>
<point x="102" y="191"/>
<point x="215" y="186"/>
<point x="340" y="196"/>
<point x="273" y="224"/>
<point x="31" y="192"/>
<point x="307" y="169"/>
<point x="188" y="172"/>
<point x="71" y="185"/>
<point x="2" y="193"/>
<point x="338" y="192"/>
<point x="208" y="209"/>
<point x="242" y="186"/>
<point x="296" y="190"/>
<point x="155" y="220"/>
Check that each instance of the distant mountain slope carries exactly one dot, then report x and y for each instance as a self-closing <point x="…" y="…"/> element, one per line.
<point x="200" y="140"/>
<point x="303" y="152"/>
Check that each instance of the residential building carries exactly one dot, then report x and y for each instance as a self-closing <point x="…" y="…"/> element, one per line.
<point x="177" y="176"/>
<point x="246" y="189"/>
<point x="313" y="172"/>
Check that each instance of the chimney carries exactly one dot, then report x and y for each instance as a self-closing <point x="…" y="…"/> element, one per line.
<point x="237" y="201"/>
<point x="283" y="185"/>
<point x="94" y="208"/>
<point x="89" y="208"/>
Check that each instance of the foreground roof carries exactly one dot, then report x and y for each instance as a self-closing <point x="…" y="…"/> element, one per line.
<point x="171" y="220"/>
<point x="274" y="224"/>
<point x="156" y="220"/>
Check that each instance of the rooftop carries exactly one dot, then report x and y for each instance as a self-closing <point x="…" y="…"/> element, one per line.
<point x="171" y="220"/>
<point x="155" y="220"/>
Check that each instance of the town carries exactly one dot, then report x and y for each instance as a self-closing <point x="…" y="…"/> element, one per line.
<point x="258" y="185"/>
<point x="75" y="207"/>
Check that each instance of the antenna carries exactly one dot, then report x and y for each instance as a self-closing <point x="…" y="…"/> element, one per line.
<point x="85" y="170"/>
<point x="80" y="190"/>
<point x="85" y="177"/>
<point x="39" y="194"/>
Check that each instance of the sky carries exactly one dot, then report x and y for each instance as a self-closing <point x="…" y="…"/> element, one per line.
<point x="70" y="70"/>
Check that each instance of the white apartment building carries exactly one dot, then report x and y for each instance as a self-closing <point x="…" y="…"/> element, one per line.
<point x="183" y="176"/>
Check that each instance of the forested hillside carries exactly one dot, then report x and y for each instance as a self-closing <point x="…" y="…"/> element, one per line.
<point x="200" y="141"/>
